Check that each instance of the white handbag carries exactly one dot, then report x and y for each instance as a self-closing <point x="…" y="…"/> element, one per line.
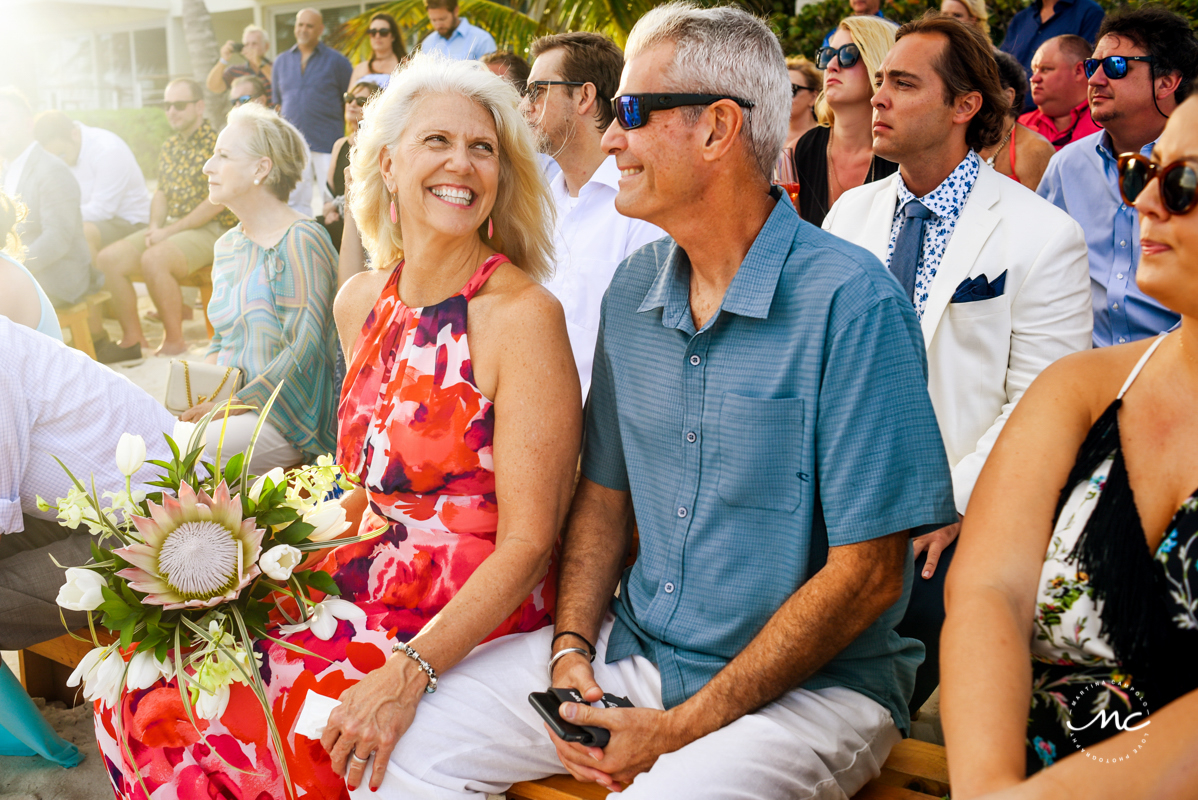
<point x="193" y="382"/>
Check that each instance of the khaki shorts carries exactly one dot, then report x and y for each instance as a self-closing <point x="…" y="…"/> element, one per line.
<point x="195" y="244"/>
<point x="116" y="228"/>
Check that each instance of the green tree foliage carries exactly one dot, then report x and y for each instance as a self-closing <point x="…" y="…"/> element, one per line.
<point x="143" y="129"/>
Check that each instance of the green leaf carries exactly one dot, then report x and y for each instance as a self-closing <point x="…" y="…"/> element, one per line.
<point x="320" y="581"/>
<point x="233" y="469"/>
<point x="294" y="533"/>
<point x="276" y="517"/>
<point x="113" y="605"/>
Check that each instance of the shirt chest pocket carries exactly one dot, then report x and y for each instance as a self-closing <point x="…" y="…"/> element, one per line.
<point x="761" y="452"/>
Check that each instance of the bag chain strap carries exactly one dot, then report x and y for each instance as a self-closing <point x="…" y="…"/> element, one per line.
<point x="215" y="392"/>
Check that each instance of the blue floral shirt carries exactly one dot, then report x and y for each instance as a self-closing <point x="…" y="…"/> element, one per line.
<point x="945" y="202"/>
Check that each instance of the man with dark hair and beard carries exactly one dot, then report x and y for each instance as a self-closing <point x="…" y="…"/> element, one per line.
<point x="568" y="105"/>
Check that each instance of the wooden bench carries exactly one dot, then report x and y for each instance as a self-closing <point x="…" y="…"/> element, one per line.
<point x="915" y="771"/>
<point x="74" y="320"/>
<point x="202" y="279"/>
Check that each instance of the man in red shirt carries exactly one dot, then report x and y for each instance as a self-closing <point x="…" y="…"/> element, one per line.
<point x="1062" y="113"/>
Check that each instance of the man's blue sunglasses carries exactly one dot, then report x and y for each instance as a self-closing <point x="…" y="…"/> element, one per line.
<point x="632" y="110"/>
<point x="1115" y="67"/>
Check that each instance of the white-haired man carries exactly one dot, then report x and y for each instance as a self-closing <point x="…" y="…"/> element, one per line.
<point x="759" y="399"/>
<point x="253" y="49"/>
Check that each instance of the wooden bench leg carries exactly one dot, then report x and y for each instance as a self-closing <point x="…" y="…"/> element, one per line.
<point x="43" y="677"/>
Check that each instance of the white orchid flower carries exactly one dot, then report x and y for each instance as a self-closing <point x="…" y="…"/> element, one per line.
<point x="130" y="453"/>
<point x="211" y="705"/>
<point x="145" y="669"/>
<point x="279" y="561"/>
<point x="86" y="669"/>
<point x="182" y="436"/>
<point x="329" y="520"/>
<point x="82" y="590"/>
<point x="323" y="619"/>
<point x="106" y="681"/>
<point x="276" y="478"/>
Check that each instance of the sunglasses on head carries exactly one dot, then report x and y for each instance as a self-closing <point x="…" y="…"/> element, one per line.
<point x="179" y="105"/>
<point x="355" y="98"/>
<point x="632" y="110"/>
<point x="795" y="88"/>
<point x="245" y="98"/>
<point x="1115" y="67"/>
<point x="379" y="31"/>
<point x="1178" y="181"/>
<point x="847" y="55"/>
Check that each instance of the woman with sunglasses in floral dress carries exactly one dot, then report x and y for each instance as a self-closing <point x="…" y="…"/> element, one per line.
<point x="1074" y="589"/>
<point x="386" y="50"/>
<point x="837" y="155"/>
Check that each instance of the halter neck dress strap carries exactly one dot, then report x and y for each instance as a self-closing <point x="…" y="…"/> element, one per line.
<point x="483" y="274"/>
<point x="1135" y="373"/>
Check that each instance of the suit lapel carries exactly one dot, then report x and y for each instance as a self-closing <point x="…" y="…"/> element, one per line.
<point x="876" y="230"/>
<point x="974" y="226"/>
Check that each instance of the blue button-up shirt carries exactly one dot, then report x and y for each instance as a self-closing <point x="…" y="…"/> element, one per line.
<point x="466" y="43"/>
<point x="1083" y="179"/>
<point x="311" y="95"/>
<point x="796" y="419"/>
<point x="1026" y="32"/>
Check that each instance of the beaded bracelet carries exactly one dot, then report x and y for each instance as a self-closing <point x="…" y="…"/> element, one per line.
<point x="427" y="668"/>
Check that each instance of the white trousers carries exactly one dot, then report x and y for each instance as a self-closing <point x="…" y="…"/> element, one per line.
<point x="308" y="196"/>
<point x="478" y="735"/>
<point x="270" y="451"/>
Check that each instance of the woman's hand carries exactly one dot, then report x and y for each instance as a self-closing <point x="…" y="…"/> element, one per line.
<point x="330" y="213"/>
<point x="197" y="412"/>
<point x="372" y="716"/>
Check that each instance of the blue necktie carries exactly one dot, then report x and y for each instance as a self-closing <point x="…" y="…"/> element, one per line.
<point x="907" y="246"/>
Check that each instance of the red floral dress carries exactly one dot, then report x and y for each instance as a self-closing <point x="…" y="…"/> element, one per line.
<point x="417" y="430"/>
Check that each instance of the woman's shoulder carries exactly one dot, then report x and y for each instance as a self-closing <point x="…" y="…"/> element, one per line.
<point x="511" y="293"/>
<point x="1093" y="377"/>
<point x="362" y="288"/>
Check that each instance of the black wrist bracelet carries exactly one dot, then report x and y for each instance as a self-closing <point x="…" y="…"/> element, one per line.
<point x="586" y="641"/>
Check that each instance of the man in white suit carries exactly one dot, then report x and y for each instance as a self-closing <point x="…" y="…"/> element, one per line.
<point x="999" y="278"/>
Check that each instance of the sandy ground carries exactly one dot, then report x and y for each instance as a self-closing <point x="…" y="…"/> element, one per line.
<point x="34" y="778"/>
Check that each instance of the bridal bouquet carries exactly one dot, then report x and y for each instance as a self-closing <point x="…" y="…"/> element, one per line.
<point x="191" y="576"/>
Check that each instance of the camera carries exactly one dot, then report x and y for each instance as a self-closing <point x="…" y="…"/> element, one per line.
<point x="237" y="47"/>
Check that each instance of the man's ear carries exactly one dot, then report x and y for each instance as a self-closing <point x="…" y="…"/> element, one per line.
<point x="724" y="121"/>
<point x="586" y="100"/>
<point x="1166" y="85"/>
<point x="966" y="107"/>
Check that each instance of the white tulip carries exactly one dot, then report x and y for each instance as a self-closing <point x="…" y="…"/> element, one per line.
<point x="323" y="618"/>
<point x="276" y="478"/>
<point x="84" y="672"/>
<point x="279" y="561"/>
<point x="145" y="670"/>
<point x="107" y="680"/>
<point x="210" y="705"/>
<point x="328" y="519"/>
<point x="82" y="591"/>
<point x="182" y="436"/>
<point x="130" y="453"/>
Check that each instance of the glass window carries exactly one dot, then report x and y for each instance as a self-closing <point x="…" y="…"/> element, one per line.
<point x="152" y="65"/>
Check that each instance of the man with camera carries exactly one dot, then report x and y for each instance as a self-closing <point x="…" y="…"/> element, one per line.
<point x="252" y="48"/>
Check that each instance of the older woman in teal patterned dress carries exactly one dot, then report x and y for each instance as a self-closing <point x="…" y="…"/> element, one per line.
<point x="1070" y="645"/>
<point x="273" y="280"/>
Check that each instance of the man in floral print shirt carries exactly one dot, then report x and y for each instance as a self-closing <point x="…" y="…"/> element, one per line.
<point x="184" y="226"/>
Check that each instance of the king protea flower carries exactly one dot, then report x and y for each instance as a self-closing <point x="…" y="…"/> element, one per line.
<point x="198" y="552"/>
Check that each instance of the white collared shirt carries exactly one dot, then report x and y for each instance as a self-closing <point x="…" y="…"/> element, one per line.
<point x="589" y="242"/>
<point x="58" y="402"/>
<point x="110" y="181"/>
<point x="12" y="172"/>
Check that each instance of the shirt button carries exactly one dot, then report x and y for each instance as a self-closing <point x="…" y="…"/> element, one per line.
<point x="1119" y="276"/>
<point x="1123" y="243"/>
<point x="1121" y="340"/>
<point x="1123" y="206"/>
<point x="690" y="437"/>
<point x="682" y="513"/>
<point x="695" y="361"/>
<point x="669" y="587"/>
<point x="1115" y="306"/>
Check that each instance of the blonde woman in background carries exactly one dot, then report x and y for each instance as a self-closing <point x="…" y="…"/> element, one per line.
<point x="806" y="82"/>
<point x="837" y="155"/>
<point x="22" y="300"/>
<point x="971" y="12"/>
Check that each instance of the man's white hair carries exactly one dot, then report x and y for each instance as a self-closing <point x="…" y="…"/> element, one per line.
<point x="252" y="28"/>
<point x="728" y="51"/>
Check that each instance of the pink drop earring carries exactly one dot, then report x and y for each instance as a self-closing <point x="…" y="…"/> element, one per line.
<point x="490" y="229"/>
<point x="394" y="213"/>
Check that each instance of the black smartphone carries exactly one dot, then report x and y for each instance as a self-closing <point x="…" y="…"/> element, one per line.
<point x="547" y="704"/>
<point x="237" y="47"/>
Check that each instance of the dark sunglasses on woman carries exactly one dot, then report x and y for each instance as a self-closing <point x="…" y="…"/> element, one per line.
<point x="1178" y="181"/>
<point x="355" y="98"/>
<point x="379" y="31"/>
<point x="847" y="55"/>
<point x="795" y="88"/>
<point x="1115" y="67"/>
<point x="632" y="110"/>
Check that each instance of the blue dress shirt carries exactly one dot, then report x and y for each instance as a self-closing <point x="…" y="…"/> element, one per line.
<point x="311" y="96"/>
<point x="796" y="419"/>
<point x="1082" y="178"/>
<point x="466" y="43"/>
<point x="1025" y="32"/>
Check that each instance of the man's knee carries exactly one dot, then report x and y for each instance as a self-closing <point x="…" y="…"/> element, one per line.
<point x="163" y="259"/>
<point x="118" y="258"/>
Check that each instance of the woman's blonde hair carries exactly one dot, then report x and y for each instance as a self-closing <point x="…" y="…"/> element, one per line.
<point x="977" y="10"/>
<point x="12" y="214"/>
<point x="276" y="139"/>
<point x="874" y="37"/>
<point x="807" y="67"/>
<point x="523" y="210"/>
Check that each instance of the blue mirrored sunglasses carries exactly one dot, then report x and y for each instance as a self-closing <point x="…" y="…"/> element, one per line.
<point x="632" y="110"/>
<point x="1115" y="67"/>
